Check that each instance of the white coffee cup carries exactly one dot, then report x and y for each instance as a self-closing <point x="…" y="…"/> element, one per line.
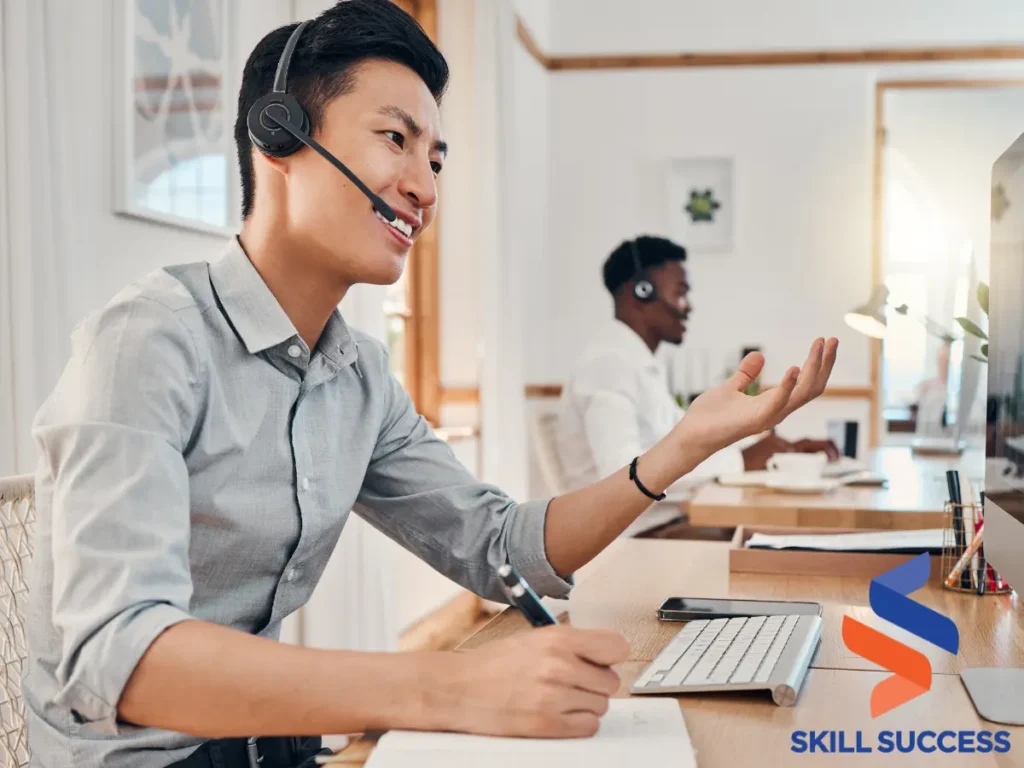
<point x="798" y="464"/>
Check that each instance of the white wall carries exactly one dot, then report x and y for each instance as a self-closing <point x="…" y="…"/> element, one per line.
<point x="613" y="26"/>
<point x="128" y="248"/>
<point x="801" y="139"/>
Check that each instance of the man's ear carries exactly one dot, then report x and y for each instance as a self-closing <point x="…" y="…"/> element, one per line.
<point x="278" y="164"/>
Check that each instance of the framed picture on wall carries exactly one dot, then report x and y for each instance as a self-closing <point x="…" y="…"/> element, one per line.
<point x="700" y="197"/>
<point x="173" y="153"/>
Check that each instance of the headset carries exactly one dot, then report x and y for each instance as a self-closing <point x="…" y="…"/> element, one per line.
<point x="279" y="126"/>
<point x="643" y="288"/>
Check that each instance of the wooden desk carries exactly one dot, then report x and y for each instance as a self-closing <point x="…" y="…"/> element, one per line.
<point x="913" y="499"/>
<point x="623" y="590"/>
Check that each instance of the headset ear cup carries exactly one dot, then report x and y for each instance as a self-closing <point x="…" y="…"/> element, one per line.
<point x="264" y="133"/>
<point x="643" y="289"/>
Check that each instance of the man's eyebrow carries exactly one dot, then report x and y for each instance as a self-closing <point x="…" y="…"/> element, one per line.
<point x="411" y="125"/>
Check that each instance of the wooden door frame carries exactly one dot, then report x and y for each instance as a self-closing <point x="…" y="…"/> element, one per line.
<point x="423" y="325"/>
<point x="878" y="206"/>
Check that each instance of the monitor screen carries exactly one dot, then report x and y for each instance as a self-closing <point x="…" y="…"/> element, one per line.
<point x="1004" y="449"/>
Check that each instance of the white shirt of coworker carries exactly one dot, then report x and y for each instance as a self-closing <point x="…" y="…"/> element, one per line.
<point x="616" y="405"/>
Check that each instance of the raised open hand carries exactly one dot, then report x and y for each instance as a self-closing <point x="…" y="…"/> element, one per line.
<point x="723" y="415"/>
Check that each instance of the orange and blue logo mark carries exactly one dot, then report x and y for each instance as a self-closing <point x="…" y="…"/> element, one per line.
<point x="912" y="672"/>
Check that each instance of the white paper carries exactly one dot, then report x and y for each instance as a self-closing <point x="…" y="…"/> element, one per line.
<point x="879" y="541"/>
<point x="635" y="731"/>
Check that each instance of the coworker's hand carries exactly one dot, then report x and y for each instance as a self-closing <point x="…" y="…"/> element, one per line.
<point x="723" y="415"/>
<point x="829" y="448"/>
<point x="757" y="455"/>
<point x="552" y="682"/>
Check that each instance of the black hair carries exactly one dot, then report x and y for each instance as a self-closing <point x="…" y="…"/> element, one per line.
<point x="323" y="66"/>
<point x="620" y="266"/>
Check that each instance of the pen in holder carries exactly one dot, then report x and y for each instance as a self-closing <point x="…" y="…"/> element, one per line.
<point x="962" y="556"/>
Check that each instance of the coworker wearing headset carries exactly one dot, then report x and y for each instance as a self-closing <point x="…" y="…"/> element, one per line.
<point x="616" y="402"/>
<point x="217" y="422"/>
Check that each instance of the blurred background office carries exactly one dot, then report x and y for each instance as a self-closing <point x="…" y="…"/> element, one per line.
<point x="808" y="155"/>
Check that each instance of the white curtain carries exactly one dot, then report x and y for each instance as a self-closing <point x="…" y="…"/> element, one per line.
<point x="503" y="405"/>
<point x="36" y="216"/>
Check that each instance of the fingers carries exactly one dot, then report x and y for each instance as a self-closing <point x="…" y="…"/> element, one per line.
<point x="772" y="403"/>
<point x="810" y="373"/>
<point x="571" y="725"/>
<point x="831" y="450"/>
<point x="749" y="370"/>
<point x="596" y="645"/>
<point x="574" y="672"/>
<point x="831" y="350"/>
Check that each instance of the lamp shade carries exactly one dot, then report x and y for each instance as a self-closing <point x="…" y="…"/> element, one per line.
<point x="869" y="318"/>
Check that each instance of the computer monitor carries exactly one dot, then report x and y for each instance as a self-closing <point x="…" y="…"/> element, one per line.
<point x="998" y="692"/>
<point x="1004" y="451"/>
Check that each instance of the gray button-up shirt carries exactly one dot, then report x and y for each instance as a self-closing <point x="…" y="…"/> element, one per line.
<point x="198" y="460"/>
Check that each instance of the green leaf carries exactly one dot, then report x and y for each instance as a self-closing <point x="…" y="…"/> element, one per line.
<point x="983" y="297"/>
<point x="970" y="327"/>
<point x="984" y="350"/>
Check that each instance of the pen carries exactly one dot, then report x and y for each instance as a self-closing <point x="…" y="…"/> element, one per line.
<point x="522" y="597"/>
<point x="953" y="482"/>
<point x="982" y="566"/>
<point x="956" y="575"/>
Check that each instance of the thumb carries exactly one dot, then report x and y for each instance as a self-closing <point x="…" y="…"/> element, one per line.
<point x="750" y="369"/>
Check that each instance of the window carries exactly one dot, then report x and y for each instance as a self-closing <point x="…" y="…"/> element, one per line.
<point x="192" y="189"/>
<point x="926" y="268"/>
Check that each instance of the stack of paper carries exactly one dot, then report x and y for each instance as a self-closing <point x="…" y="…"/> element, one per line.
<point x="633" y="732"/>
<point x="908" y="542"/>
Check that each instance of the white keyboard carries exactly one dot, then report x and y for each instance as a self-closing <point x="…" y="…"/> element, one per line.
<point x="740" y="654"/>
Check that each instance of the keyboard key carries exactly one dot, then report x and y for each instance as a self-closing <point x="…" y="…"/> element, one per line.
<point x="779" y="644"/>
<point x="670" y="653"/>
<point x="692" y="656"/>
<point x="736" y="652"/>
<point x="757" y="651"/>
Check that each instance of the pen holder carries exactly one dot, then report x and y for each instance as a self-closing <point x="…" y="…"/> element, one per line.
<point x="971" y="517"/>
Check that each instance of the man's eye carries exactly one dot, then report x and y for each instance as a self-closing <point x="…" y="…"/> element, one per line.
<point x="396" y="137"/>
<point x="436" y="167"/>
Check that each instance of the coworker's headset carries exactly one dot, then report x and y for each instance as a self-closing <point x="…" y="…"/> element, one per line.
<point x="279" y="126"/>
<point x="643" y="287"/>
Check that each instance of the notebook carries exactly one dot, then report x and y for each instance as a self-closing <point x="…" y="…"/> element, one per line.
<point x="635" y="731"/>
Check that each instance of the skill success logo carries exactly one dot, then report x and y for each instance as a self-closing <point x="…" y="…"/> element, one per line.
<point x="912" y="672"/>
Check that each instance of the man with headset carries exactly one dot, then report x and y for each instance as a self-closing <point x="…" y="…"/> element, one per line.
<point x="616" y="402"/>
<point x="217" y="422"/>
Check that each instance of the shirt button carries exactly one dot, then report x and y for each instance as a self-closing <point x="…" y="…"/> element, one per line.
<point x="305" y="483"/>
<point x="292" y="574"/>
<point x="294" y="350"/>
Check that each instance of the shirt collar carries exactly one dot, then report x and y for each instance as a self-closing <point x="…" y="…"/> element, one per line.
<point x="258" y="318"/>
<point x="627" y="341"/>
<point x="247" y="301"/>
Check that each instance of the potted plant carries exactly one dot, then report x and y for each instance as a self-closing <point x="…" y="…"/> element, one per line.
<point x="972" y="328"/>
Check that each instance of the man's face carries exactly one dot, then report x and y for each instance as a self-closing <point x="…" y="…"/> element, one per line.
<point x="387" y="131"/>
<point x="668" y="315"/>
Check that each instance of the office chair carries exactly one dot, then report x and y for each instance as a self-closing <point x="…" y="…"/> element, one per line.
<point x="544" y="435"/>
<point x="17" y="519"/>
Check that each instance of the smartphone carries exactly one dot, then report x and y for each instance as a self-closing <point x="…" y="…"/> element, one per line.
<point x="688" y="608"/>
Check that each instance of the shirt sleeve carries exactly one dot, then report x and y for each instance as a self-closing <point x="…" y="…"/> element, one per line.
<point x="607" y="393"/>
<point x="417" y="493"/>
<point x="111" y="440"/>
